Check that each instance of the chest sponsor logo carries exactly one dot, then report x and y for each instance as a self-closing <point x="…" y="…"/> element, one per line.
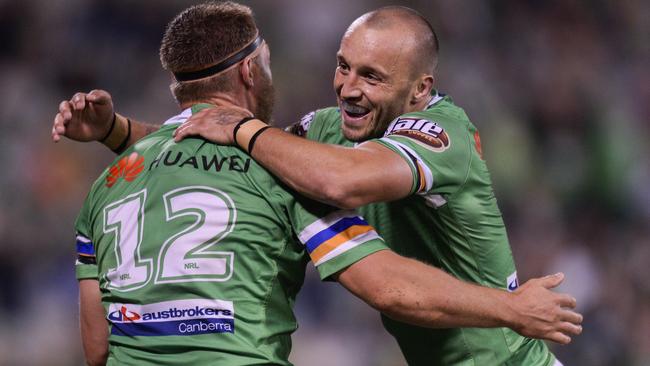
<point x="128" y="168"/>
<point x="424" y="132"/>
<point x="513" y="282"/>
<point x="180" y="317"/>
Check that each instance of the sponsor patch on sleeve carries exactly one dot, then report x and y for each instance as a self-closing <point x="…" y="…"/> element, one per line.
<point x="426" y="133"/>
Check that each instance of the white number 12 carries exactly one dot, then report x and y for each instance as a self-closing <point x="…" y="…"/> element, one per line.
<point x="183" y="257"/>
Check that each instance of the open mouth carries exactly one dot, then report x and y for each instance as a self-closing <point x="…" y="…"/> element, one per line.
<point x="354" y="111"/>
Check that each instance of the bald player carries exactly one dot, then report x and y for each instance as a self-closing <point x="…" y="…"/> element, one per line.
<point x="418" y="176"/>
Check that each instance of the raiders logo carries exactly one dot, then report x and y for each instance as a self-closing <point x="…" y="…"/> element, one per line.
<point x="426" y="133"/>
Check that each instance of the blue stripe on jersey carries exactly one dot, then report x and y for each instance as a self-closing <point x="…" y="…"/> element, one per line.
<point x="85" y="248"/>
<point x="326" y="234"/>
<point x="174" y="328"/>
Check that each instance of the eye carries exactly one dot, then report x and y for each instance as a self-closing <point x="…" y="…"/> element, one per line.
<point x="342" y="66"/>
<point x="372" y="78"/>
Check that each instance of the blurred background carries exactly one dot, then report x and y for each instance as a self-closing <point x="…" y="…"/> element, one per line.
<point x="559" y="89"/>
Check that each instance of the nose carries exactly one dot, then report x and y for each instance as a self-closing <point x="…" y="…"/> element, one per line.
<point x="349" y="87"/>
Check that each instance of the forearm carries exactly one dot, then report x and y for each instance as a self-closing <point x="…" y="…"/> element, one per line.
<point x="337" y="175"/>
<point x="412" y="292"/>
<point x="430" y="297"/>
<point x="126" y="132"/>
<point x="93" y="325"/>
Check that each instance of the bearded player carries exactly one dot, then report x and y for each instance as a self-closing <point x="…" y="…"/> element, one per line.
<point x="454" y="224"/>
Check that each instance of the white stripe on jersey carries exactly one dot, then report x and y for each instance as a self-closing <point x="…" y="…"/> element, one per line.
<point x="83" y="239"/>
<point x="428" y="176"/>
<point x="356" y="241"/>
<point x="324" y="223"/>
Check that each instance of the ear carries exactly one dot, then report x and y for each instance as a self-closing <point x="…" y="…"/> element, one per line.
<point x="423" y="87"/>
<point x="246" y="72"/>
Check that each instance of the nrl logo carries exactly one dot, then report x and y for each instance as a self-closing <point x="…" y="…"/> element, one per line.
<point x="426" y="133"/>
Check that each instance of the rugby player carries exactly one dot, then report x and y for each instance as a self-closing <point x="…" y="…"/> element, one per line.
<point x="248" y="92"/>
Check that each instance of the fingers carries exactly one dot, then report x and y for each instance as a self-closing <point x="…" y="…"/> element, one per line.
<point x="570" y="328"/>
<point x="65" y="109"/>
<point x="572" y="316"/>
<point x="58" y="127"/>
<point x="187" y="129"/>
<point x="566" y="301"/>
<point x="552" y="281"/>
<point x="78" y="101"/>
<point x="559" y="337"/>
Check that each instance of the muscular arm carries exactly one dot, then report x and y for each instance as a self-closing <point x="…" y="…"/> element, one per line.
<point x="94" y="328"/>
<point x="410" y="291"/>
<point x="340" y="176"/>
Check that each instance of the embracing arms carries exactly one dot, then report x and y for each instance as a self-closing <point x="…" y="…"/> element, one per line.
<point x="344" y="177"/>
<point x="412" y="292"/>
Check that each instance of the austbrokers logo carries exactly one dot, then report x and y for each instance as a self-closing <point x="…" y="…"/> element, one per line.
<point x="128" y="167"/>
<point x="123" y="315"/>
<point x="177" y="317"/>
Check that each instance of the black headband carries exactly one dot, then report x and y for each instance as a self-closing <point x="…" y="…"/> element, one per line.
<point x="212" y="70"/>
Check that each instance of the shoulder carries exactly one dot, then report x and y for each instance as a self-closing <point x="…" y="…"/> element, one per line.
<point x="437" y="128"/>
<point x="313" y="121"/>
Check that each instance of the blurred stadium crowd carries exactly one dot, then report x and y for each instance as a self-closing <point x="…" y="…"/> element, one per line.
<point x="560" y="91"/>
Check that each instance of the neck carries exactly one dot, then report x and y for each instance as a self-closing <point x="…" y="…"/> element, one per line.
<point x="421" y="105"/>
<point x="221" y="100"/>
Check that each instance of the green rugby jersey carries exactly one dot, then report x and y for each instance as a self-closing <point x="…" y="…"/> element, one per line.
<point x="450" y="221"/>
<point x="199" y="253"/>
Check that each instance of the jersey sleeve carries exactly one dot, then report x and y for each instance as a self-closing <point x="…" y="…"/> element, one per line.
<point x="86" y="264"/>
<point x="334" y="238"/>
<point x="438" y="152"/>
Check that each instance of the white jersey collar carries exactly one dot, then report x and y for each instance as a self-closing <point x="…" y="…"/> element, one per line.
<point x="434" y="99"/>
<point x="179" y="118"/>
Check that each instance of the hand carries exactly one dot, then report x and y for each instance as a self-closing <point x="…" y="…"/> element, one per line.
<point x="85" y="117"/>
<point x="545" y="314"/>
<point x="213" y="124"/>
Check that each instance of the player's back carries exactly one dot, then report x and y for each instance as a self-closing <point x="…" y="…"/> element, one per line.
<point x="451" y="221"/>
<point x="195" y="260"/>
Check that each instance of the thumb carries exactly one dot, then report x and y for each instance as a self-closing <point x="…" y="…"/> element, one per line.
<point x="98" y="96"/>
<point x="552" y="281"/>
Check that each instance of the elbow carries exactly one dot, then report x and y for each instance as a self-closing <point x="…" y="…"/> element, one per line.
<point x="339" y="197"/>
<point x="341" y="191"/>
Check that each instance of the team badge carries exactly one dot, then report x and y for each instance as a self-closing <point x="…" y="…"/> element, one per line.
<point x="128" y="167"/>
<point x="424" y="132"/>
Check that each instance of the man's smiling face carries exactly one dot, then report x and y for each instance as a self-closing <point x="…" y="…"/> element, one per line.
<point x="373" y="80"/>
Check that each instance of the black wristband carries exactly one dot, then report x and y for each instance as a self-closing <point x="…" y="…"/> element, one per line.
<point x="257" y="134"/>
<point x="110" y="129"/>
<point x="238" y="125"/>
<point x="119" y="149"/>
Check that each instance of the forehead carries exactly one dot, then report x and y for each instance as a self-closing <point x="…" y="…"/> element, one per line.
<point x="381" y="48"/>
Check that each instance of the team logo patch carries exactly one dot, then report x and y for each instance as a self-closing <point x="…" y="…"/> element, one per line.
<point x="180" y="317"/>
<point x="128" y="167"/>
<point x="425" y="132"/>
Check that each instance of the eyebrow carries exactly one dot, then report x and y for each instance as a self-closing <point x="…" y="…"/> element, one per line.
<point x="364" y="69"/>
